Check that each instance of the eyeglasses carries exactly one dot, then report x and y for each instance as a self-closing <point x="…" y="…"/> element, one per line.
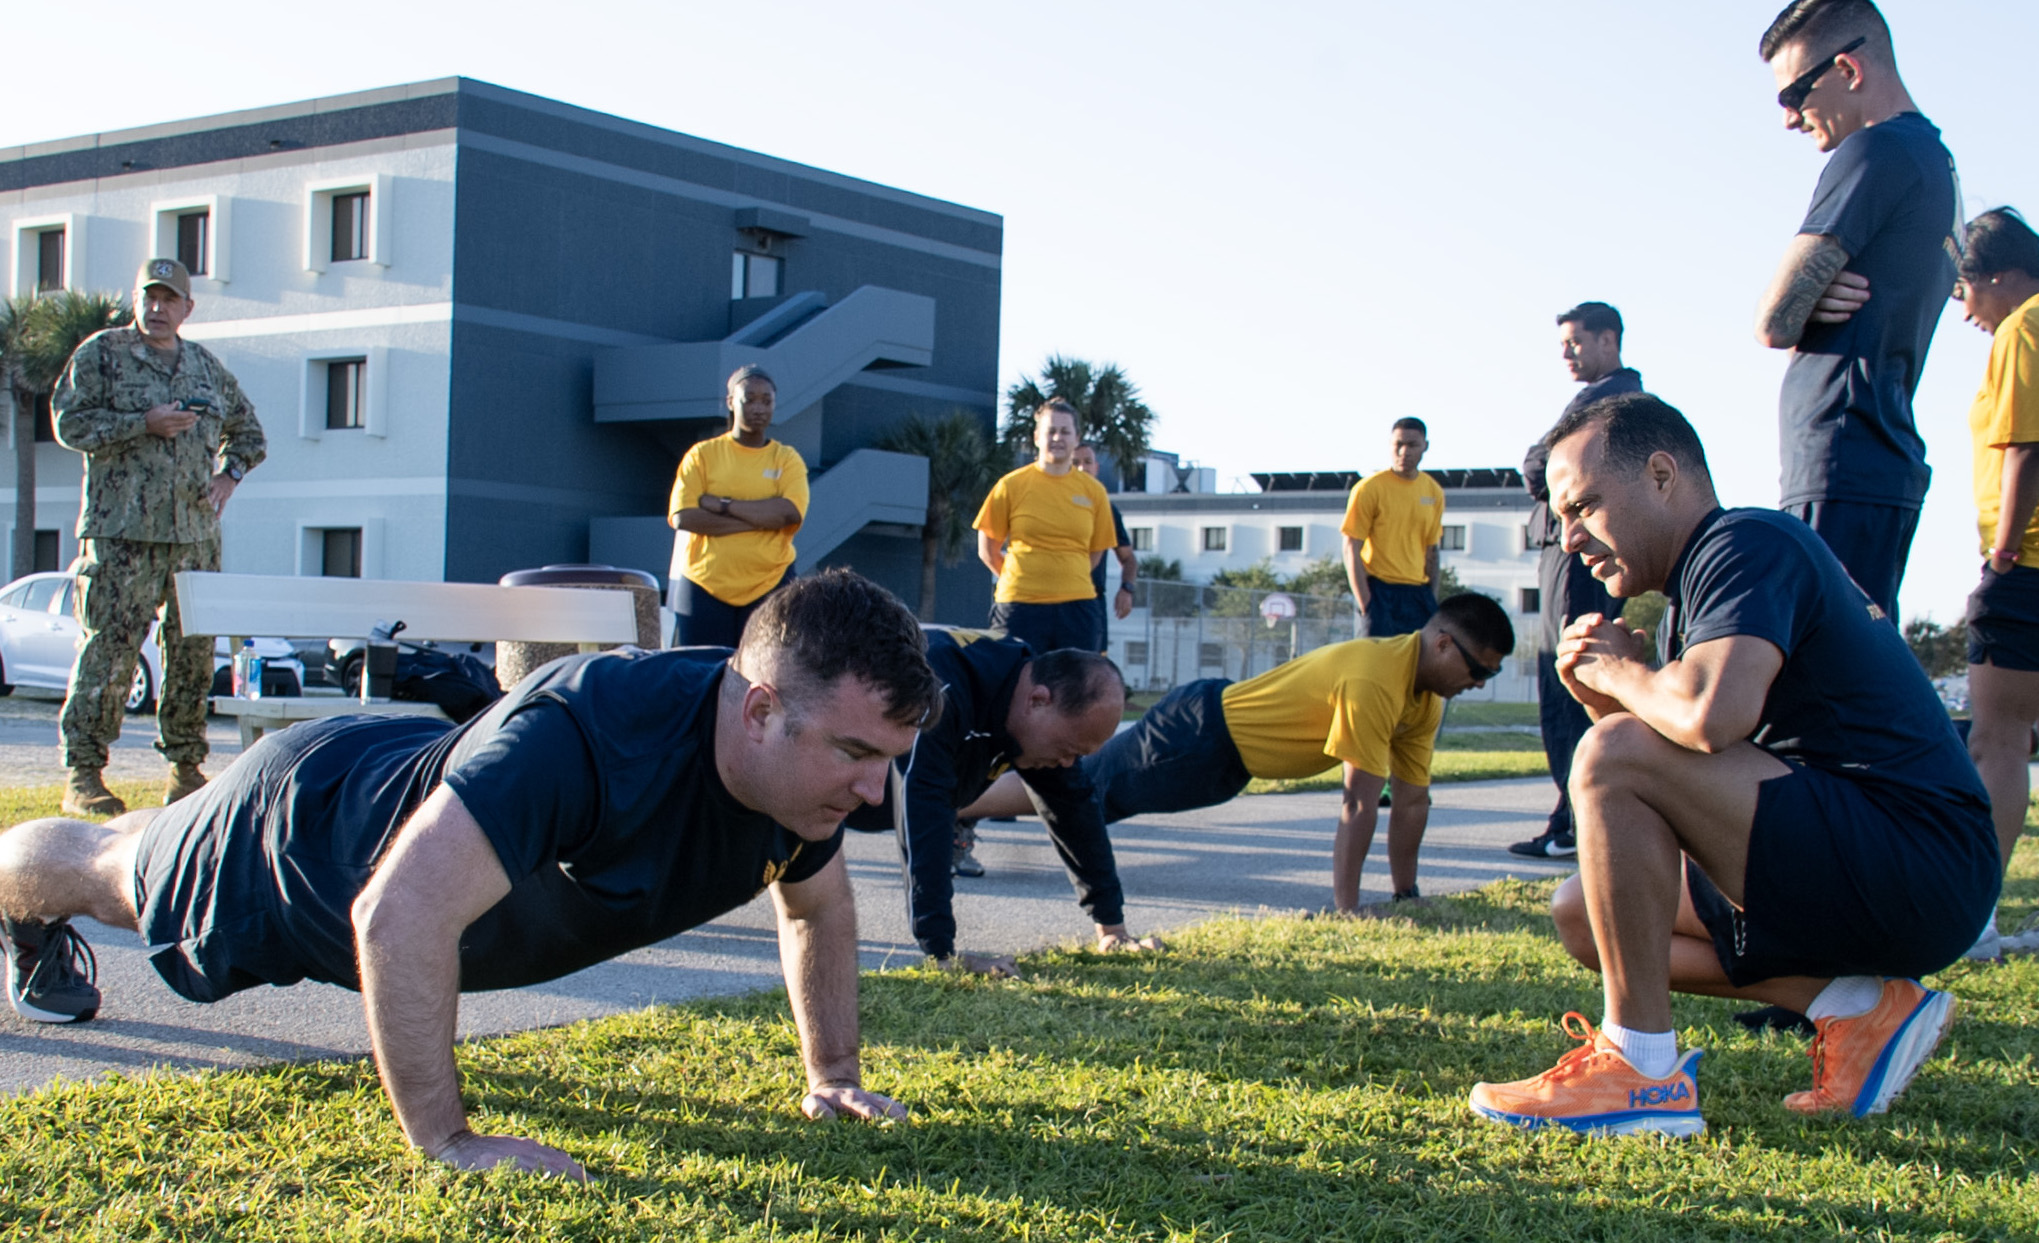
<point x="1792" y="98"/>
<point x="1474" y="669"/>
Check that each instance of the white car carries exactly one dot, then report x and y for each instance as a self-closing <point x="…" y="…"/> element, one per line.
<point x="39" y="635"/>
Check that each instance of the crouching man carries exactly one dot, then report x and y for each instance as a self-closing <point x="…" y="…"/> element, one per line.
<point x="1782" y="812"/>
<point x="608" y="802"/>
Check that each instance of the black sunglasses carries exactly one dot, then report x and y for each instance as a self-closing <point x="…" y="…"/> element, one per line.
<point x="1474" y="669"/>
<point x="1792" y="97"/>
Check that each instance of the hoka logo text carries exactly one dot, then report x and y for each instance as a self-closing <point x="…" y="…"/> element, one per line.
<point x="1659" y="1095"/>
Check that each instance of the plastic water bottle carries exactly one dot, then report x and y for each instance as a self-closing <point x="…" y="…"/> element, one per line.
<point x="247" y="672"/>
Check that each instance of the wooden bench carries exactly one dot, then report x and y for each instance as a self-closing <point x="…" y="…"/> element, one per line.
<point x="287" y="607"/>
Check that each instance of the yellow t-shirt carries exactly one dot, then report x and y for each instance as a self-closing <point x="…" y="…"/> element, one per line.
<point x="739" y="567"/>
<point x="1050" y="525"/>
<point x="2006" y="412"/>
<point x="1354" y="702"/>
<point x="1400" y="520"/>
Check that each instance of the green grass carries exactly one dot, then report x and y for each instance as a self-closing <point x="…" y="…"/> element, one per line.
<point x="1273" y="1079"/>
<point x="1463" y="712"/>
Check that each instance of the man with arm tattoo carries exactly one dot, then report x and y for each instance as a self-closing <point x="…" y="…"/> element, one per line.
<point x="1860" y="289"/>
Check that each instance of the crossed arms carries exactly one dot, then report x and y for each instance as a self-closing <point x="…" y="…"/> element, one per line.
<point x="730" y="516"/>
<point x="1809" y="288"/>
<point x="442" y="874"/>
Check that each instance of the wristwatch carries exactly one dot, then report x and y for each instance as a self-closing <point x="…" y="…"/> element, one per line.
<point x="234" y="471"/>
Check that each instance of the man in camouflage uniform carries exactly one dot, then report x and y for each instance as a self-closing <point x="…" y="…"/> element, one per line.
<point x="166" y="436"/>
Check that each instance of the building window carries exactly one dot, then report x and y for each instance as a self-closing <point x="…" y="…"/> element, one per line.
<point x="49" y="261"/>
<point x="193" y="228"/>
<point x="344" y="406"/>
<point x="1289" y="539"/>
<point x="1214" y="539"/>
<point x="753" y="276"/>
<point x="46" y="549"/>
<point x="350" y="226"/>
<point x="1143" y="539"/>
<point x="1532" y="599"/>
<point x="340" y="552"/>
<point x="1453" y="539"/>
<point x="345" y="221"/>
<point x="1136" y="651"/>
<point x="1210" y="655"/>
<point x="1529" y="543"/>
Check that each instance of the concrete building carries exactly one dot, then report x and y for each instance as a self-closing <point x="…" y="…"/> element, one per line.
<point x="481" y="327"/>
<point x="1294" y="520"/>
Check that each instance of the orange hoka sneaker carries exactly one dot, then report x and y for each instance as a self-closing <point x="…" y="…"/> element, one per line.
<point x="1861" y="1063"/>
<point x="1593" y="1088"/>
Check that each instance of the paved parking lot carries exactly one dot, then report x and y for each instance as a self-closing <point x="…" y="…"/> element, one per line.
<point x="1265" y="852"/>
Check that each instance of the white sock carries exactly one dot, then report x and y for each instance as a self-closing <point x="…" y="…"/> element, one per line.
<point x="1846" y="997"/>
<point x="1652" y="1053"/>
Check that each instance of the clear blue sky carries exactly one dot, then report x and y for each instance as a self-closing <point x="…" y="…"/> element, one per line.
<point x="1290" y="222"/>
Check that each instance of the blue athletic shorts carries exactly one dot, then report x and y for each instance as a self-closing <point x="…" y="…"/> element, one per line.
<point x="1176" y="757"/>
<point x="1049" y="627"/>
<point x="2003" y="619"/>
<point x="1397" y="608"/>
<point x="1846" y="877"/>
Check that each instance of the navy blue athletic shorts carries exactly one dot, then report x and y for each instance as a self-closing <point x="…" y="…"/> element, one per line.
<point x="231" y="896"/>
<point x="2003" y="619"/>
<point x="1397" y="608"/>
<point x="1847" y="877"/>
<point x="1872" y="542"/>
<point x="1177" y="757"/>
<point x="702" y="620"/>
<point x="1049" y="627"/>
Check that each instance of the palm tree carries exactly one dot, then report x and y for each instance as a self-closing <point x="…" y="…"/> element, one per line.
<point x="38" y="335"/>
<point x="1113" y="414"/>
<point x="960" y="470"/>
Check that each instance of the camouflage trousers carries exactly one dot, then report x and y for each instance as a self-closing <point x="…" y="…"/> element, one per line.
<point x="122" y="586"/>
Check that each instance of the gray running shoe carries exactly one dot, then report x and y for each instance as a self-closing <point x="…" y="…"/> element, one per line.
<point x="2026" y="942"/>
<point x="965" y="863"/>
<point x="1989" y="947"/>
<point x="50" y="971"/>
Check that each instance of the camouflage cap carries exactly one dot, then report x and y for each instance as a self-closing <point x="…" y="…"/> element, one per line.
<point x="165" y="272"/>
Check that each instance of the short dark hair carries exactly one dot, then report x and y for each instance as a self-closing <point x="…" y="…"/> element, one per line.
<point x="1999" y="241"/>
<point x="1593" y="317"/>
<point x="815" y="630"/>
<point x="1481" y="619"/>
<point x="1059" y="405"/>
<point x="734" y="386"/>
<point x="1637" y="425"/>
<point x="1411" y="424"/>
<point x="1075" y="679"/>
<point x="1829" y="22"/>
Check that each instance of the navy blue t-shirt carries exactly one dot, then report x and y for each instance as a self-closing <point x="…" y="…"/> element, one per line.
<point x="1889" y="196"/>
<point x="1850" y="698"/>
<point x="1097" y="571"/>
<point x="1542" y="527"/>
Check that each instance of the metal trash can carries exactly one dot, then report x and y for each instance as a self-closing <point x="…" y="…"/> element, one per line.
<point x="514" y="660"/>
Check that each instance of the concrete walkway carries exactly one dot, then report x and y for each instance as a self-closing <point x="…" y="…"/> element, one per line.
<point x="1268" y="852"/>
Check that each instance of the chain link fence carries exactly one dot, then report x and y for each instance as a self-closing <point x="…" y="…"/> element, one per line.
<point x="1181" y="632"/>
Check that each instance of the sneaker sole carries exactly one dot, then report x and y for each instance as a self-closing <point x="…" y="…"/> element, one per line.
<point x="1675" y="1125"/>
<point x="36" y="1014"/>
<point x="1905" y="1053"/>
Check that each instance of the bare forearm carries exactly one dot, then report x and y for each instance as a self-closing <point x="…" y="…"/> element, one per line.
<point x="703" y="522"/>
<point x="1810" y="264"/>
<point x="992" y="553"/>
<point x="1355" y="571"/>
<point x="410" y="990"/>
<point x="2020" y="496"/>
<point x="770" y="514"/>
<point x="1433" y="568"/>
<point x="1408" y="820"/>
<point x="1129" y="566"/>
<point x="1356" y="824"/>
<point x="818" y="954"/>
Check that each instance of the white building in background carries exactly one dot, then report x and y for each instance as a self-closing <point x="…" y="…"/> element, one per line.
<point x="1294" y="520"/>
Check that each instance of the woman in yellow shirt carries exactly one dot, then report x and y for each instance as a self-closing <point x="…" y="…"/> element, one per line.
<point x="1999" y="289"/>
<point x="736" y="503"/>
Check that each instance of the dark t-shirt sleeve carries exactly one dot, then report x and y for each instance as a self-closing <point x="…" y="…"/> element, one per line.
<point x="531" y="786"/>
<point x="813" y="857"/>
<point x="1119" y="528"/>
<point x="1859" y="191"/>
<point x="1741" y="583"/>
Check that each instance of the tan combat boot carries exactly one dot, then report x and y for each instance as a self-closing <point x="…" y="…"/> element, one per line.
<point x="184" y="779"/>
<point x="86" y="795"/>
